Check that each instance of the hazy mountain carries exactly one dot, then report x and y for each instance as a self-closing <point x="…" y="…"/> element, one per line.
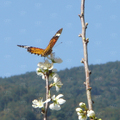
<point x="17" y="93"/>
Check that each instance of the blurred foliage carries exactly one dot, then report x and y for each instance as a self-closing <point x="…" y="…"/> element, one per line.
<point x="17" y="93"/>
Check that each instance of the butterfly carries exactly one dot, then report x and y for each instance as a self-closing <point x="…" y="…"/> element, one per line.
<point x="43" y="52"/>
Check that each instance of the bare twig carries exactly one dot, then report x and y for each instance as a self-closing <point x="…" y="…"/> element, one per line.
<point x="85" y="60"/>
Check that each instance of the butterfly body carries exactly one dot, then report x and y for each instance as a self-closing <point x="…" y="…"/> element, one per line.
<point x="43" y="52"/>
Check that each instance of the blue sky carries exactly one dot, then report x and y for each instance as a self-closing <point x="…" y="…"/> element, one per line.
<point x="34" y="22"/>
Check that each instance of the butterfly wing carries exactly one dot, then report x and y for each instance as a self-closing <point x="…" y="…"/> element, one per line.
<point x="48" y="50"/>
<point x="32" y="50"/>
<point x="52" y="42"/>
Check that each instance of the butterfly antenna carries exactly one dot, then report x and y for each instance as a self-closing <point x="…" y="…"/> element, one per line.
<point x="58" y="44"/>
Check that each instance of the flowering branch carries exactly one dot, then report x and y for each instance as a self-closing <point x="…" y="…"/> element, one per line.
<point x="48" y="74"/>
<point x="83" y="112"/>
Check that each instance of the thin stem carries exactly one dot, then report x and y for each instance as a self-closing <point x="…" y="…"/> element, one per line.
<point x="85" y="60"/>
<point x="47" y="94"/>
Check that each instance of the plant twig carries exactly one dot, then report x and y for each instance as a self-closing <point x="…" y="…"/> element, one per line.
<point x="47" y="95"/>
<point x="85" y="60"/>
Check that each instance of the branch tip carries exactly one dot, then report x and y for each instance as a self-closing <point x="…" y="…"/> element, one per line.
<point x="90" y="72"/>
<point x="43" y="111"/>
<point x="50" y="86"/>
<point x="80" y="35"/>
<point x="82" y="61"/>
<point x="87" y="40"/>
<point x="84" y="83"/>
<point x="84" y="39"/>
<point x="89" y="88"/>
<point x="80" y="15"/>
<point x="86" y="24"/>
<point x="93" y="102"/>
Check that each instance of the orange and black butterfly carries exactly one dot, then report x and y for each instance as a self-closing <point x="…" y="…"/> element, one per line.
<point x="47" y="51"/>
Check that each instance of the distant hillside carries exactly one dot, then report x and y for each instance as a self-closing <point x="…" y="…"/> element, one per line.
<point x="17" y="93"/>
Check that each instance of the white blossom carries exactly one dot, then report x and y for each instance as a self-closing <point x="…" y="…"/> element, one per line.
<point x="46" y="65"/>
<point x="78" y="109"/>
<point x="40" y="72"/>
<point x="82" y="117"/>
<point x="91" y="113"/>
<point x="54" y="106"/>
<point x="57" y="101"/>
<point x="83" y="105"/>
<point x="57" y="83"/>
<point x="39" y="103"/>
<point x="53" y="59"/>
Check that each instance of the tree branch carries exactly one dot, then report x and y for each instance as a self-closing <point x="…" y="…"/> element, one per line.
<point x="47" y="95"/>
<point x="85" y="60"/>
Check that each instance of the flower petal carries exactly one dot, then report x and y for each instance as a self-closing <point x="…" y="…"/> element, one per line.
<point x="48" y="100"/>
<point x="57" y="88"/>
<point x="54" y="106"/>
<point x="78" y="109"/>
<point x="61" y="101"/>
<point x="53" y="97"/>
<point x="35" y="101"/>
<point x="51" y="106"/>
<point x="60" y="95"/>
<point x="57" y="107"/>
<point x="35" y="106"/>
<point x="82" y="117"/>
